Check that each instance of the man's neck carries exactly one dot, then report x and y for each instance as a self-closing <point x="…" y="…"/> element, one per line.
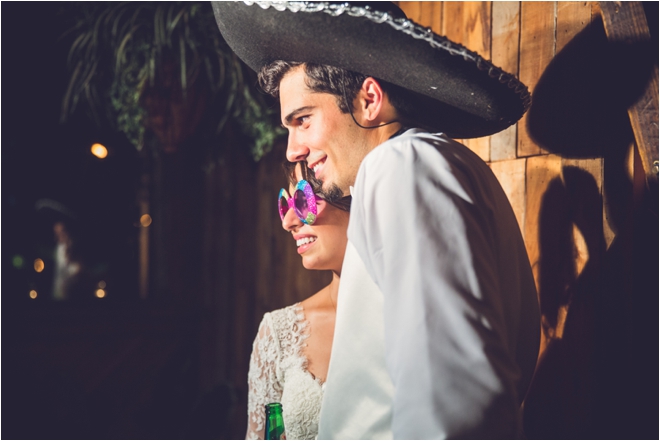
<point x="384" y="133"/>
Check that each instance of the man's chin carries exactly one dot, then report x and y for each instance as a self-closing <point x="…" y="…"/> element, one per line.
<point x="332" y="193"/>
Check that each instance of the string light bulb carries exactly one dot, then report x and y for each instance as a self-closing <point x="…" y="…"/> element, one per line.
<point x="99" y="150"/>
<point x="145" y="220"/>
<point x="39" y="265"/>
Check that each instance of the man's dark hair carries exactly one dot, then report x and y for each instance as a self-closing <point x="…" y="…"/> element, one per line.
<point x="339" y="82"/>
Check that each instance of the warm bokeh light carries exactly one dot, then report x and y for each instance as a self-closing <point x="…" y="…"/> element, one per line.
<point x="38" y="265"/>
<point x="102" y="284"/>
<point x="100" y="293"/>
<point x="17" y="261"/>
<point x="145" y="220"/>
<point x="33" y="294"/>
<point x="99" y="150"/>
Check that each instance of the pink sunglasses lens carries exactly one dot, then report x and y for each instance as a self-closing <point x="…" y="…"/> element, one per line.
<point x="300" y="202"/>
<point x="282" y="206"/>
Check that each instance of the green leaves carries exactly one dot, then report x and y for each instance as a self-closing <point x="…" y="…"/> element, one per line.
<point x="120" y="50"/>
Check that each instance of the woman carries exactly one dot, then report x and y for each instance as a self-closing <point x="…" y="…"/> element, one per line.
<point x="291" y="352"/>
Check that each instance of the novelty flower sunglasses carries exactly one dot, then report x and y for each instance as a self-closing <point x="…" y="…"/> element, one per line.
<point x="303" y="202"/>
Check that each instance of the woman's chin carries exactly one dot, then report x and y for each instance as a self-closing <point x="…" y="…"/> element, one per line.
<point x="312" y="265"/>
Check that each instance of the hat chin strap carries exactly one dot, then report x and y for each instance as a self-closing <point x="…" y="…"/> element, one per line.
<point x="350" y="109"/>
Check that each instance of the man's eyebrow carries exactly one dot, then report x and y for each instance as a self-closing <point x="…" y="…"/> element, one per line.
<point x="292" y="115"/>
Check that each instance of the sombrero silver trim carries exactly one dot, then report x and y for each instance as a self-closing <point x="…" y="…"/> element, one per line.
<point x="472" y="96"/>
<point x="408" y="27"/>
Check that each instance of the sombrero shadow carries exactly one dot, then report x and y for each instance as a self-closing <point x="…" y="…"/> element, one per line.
<point x="581" y="101"/>
<point x="459" y="92"/>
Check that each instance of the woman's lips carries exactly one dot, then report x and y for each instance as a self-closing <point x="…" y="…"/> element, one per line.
<point x="304" y="247"/>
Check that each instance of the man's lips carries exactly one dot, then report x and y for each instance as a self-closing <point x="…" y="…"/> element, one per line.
<point x="317" y="166"/>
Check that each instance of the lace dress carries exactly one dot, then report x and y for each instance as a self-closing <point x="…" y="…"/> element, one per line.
<point x="278" y="373"/>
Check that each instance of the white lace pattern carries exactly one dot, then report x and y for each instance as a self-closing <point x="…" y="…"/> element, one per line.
<point x="278" y="373"/>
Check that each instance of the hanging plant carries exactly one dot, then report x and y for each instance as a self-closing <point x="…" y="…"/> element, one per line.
<point x="131" y="60"/>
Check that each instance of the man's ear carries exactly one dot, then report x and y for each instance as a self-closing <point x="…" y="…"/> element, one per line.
<point x="371" y="98"/>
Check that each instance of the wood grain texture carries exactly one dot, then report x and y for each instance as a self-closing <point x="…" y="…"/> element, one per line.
<point x="506" y="35"/>
<point x="540" y="171"/>
<point x="505" y="54"/>
<point x="626" y="22"/>
<point x="596" y="13"/>
<point x="453" y="21"/>
<point x="537" y="48"/>
<point x="432" y="15"/>
<point x="572" y="17"/>
<point x="478" y="20"/>
<point x="511" y="175"/>
<point x="427" y="14"/>
<point x="469" y="23"/>
<point x="413" y="10"/>
<point x="503" y="144"/>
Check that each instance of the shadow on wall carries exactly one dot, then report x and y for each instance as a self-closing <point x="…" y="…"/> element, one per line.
<point x="598" y="375"/>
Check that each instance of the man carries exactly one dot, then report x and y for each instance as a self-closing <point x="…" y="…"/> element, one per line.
<point x="437" y="323"/>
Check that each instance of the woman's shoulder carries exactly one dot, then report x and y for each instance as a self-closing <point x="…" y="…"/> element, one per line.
<point x="287" y="310"/>
<point x="288" y="328"/>
<point x="284" y="318"/>
<point x="279" y="328"/>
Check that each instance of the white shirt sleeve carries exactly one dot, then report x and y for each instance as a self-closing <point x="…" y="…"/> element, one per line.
<point x="424" y="231"/>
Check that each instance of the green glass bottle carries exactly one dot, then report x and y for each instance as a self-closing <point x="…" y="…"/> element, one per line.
<point x="274" y="422"/>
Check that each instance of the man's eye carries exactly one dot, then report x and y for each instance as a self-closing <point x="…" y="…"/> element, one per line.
<point x="303" y="119"/>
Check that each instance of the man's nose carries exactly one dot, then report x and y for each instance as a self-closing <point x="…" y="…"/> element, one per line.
<point x="296" y="151"/>
<point x="291" y="221"/>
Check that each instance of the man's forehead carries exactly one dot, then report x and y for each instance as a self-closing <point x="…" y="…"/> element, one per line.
<point x="294" y="93"/>
<point x="294" y="78"/>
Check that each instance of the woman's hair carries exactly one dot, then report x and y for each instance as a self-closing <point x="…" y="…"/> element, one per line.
<point x="343" y="204"/>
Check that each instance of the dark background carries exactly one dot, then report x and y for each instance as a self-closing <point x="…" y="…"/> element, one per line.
<point x="117" y="367"/>
<point x="168" y="364"/>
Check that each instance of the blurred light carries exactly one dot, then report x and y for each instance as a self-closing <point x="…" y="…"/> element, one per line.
<point x="100" y="293"/>
<point x="33" y="294"/>
<point x="102" y="284"/>
<point x="99" y="150"/>
<point x="17" y="261"/>
<point x="145" y="220"/>
<point x="39" y="265"/>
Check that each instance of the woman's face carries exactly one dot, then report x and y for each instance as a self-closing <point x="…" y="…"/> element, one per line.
<point x="321" y="245"/>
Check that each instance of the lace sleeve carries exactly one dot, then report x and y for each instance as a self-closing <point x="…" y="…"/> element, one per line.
<point x="263" y="378"/>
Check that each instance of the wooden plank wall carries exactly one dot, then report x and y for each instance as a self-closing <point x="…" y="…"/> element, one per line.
<point x="522" y="38"/>
<point x="577" y="213"/>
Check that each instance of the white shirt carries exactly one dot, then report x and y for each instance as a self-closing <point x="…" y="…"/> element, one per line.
<point x="437" y="329"/>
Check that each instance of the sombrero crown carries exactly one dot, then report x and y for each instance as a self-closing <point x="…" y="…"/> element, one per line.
<point x="470" y="97"/>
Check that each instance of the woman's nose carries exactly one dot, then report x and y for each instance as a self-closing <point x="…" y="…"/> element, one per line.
<point x="291" y="221"/>
<point x="296" y="151"/>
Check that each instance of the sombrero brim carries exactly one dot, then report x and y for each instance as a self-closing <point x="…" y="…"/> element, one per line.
<point x="470" y="97"/>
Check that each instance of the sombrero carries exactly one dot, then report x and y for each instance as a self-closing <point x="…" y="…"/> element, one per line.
<point x="465" y="95"/>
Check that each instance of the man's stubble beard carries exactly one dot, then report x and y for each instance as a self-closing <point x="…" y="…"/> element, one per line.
<point x="332" y="194"/>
